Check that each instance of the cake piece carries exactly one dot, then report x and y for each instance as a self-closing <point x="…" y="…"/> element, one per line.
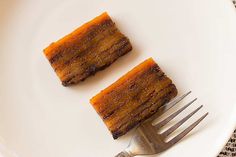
<point x="134" y="97"/>
<point x="90" y="48"/>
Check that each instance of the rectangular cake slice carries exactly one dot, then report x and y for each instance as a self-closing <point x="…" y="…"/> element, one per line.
<point x="134" y="97"/>
<point x="90" y="48"/>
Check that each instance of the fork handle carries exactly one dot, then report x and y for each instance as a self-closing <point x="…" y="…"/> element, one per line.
<point x="124" y="154"/>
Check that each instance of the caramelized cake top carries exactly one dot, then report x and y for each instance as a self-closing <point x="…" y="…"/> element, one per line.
<point x="132" y="73"/>
<point x="78" y="33"/>
<point x="134" y="97"/>
<point x="87" y="50"/>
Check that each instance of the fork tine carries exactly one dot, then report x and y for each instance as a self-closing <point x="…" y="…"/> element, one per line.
<point x="168" y="106"/>
<point x="174" y="127"/>
<point x="186" y="131"/>
<point x="165" y="121"/>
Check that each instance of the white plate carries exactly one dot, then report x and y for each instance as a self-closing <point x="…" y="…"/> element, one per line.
<point x="194" y="41"/>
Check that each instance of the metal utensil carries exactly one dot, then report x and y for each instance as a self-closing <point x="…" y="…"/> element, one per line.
<point x="146" y="140"/>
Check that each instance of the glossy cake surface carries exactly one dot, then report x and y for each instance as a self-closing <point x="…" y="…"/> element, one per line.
<point x="134" y="97"/>
<point x="90" y="48"/>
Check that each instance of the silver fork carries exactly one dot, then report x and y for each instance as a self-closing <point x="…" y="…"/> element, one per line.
<point x="146" y="140"/>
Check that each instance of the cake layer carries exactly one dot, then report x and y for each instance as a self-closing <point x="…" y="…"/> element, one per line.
<point x="88" y="49"/>
<point x="134" y="97"/>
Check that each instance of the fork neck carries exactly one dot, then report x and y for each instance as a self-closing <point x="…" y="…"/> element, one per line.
<point x="124" y="154"/>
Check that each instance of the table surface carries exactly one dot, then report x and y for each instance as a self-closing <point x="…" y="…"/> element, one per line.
<point x="230" y="148"/>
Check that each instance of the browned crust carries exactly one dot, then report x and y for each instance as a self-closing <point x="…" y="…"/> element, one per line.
<point x="134" y="97"/>
<point x="87" y="50"/>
